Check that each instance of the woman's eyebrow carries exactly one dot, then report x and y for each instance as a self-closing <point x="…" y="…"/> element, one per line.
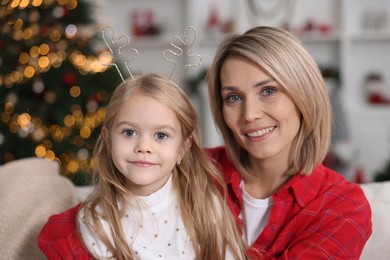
<point x="264" y="82"/>
<point x="261" y="83"/>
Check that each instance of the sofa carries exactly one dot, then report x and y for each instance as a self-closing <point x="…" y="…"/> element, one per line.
<point x="32" y="189"/>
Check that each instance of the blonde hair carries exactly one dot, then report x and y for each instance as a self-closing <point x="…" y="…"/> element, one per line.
<point x="280" y="55"/>
<point x="207" y="219"/>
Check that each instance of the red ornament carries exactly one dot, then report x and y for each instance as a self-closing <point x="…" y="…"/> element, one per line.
<point x="359" y="175"/>
<point x="93" y="97"/>
<point x="325" y="28"/>
<point x="44" y="31"/>
<point x="213" y="20"/>
<point x="70" y="79"/>
<point x="376" y="98"/>
<point x="376" y="89"/>
<point x="65" y="11"/>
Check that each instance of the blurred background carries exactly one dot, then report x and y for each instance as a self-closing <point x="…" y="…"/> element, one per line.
<point x="53" y="88"/>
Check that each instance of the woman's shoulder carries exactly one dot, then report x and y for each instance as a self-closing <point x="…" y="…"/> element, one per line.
<point x="59" y="236"/>
<point x="221" y="159"/>
<point x="216" y="153"/>
<point x="331" y="184"/>
<point x="324" y="182"/>
<point x="343" y="199"/>
<point x="330" y="179"/>
<point x="61" y="224"/>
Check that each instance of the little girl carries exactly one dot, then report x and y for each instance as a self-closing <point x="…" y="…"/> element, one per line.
<point x="155" y="195"/>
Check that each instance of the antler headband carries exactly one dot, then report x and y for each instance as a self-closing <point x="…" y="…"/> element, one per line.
<point x="121" y="48"/>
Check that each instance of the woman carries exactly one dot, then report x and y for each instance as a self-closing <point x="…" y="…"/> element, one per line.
<point x="269" y="100"/>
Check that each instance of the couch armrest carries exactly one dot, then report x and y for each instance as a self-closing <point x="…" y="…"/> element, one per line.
<point x="378" y="195"/>
<point x="83" y="192"/>
<point x="31" y="190"/>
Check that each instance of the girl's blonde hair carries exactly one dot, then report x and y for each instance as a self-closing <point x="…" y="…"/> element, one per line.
<point x="280" y="55"/>
<point x="207" y="219"/>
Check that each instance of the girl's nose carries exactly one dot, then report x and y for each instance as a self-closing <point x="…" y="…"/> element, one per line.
<point x="143" y="145"/>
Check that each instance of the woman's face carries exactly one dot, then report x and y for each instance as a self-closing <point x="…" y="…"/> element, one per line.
<point x="262" y="117"/>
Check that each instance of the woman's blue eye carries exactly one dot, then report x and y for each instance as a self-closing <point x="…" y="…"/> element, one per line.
<point x="268" y="91"/>
<point x="129" y="132"/>
<point x="233" y="98"/>
<point x="161" y="136"/>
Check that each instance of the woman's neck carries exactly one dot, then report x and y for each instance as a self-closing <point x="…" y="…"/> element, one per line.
<point x="267" y="177"/>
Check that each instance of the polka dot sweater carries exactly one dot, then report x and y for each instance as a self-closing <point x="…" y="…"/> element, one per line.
<point x="153" y="231"/>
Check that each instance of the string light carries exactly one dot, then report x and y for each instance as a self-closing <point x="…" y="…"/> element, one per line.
<point x="24" y="119"/>
<point x="40" y="151"/>
<point x="36" y="3"/>
<point x="14" y="4"/>
<point x="75" y="91"/>
<point x="44" y="49"/>
<point x="23" y="4"/>
<point x="69" y="121"/>
<point x="70" y="31"/>
<point x="29" y="72"/>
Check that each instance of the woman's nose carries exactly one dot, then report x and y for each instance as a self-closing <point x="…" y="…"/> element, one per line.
<point x="252" y="110"/>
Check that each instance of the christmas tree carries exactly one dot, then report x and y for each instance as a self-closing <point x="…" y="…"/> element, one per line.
<point x="52" y="87"/>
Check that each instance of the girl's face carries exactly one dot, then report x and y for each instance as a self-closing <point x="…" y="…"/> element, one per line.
<point x="260" y="114"/>
<point x="146" y="143"/>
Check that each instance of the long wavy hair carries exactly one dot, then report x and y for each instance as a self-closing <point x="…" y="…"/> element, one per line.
<point x="282" y="56"/>
<point x="199" y="186"/>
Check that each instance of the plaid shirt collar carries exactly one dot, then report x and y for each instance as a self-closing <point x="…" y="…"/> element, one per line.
<point x="303" y="188"/>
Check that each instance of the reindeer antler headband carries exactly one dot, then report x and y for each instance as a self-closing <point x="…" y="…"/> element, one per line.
<point x="121" y="48"/>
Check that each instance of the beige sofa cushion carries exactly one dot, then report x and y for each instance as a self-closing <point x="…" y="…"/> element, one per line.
<point x="31" y="190"/>
<point x="378" y="195"/>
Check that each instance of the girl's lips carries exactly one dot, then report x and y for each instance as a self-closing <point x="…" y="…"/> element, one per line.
<point x="260" y="132"/>
<point x="143" y="163"/>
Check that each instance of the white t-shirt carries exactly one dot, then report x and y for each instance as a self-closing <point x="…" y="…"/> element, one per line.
<point x="154" y="232"/>
<point x="255" y="214"/>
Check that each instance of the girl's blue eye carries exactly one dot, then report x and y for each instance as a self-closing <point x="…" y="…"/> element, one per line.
<point x="161" y="136"/>
<point x="129" y="132"/>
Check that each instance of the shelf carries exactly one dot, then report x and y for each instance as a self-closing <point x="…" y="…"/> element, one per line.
<point x="317" y="37"/>
<point x="372" y="36"/>
<point x="162" y="41"/>
<point x="211" y="41"/>
<point x="380" y="113"/>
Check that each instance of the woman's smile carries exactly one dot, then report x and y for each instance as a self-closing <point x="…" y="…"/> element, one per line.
<point x="259" y="133"/>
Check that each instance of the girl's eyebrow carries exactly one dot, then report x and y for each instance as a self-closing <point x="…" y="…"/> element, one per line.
<point x="261" y="83"/>
<point x="121" y="123"/>
<point x="157" y="126"/>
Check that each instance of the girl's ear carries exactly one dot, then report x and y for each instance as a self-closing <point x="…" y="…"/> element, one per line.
<point x="104" y="133"/>
<point x="186" y="146"/>
<point x="188" y="143"/>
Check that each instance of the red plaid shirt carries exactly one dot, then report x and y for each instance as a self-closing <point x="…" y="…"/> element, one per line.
<point x="59" y="238"/>
<point x="319" y="216"/>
